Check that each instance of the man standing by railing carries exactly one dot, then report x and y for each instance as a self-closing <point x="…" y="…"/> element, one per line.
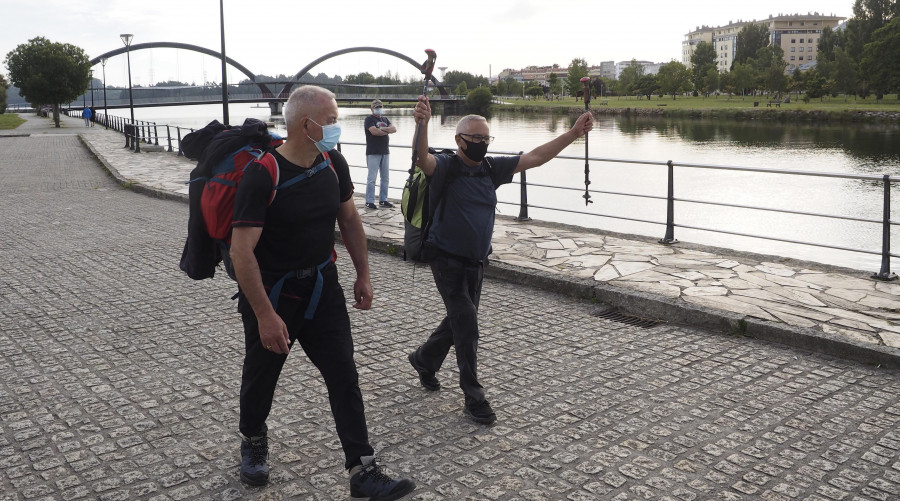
<point x="459" y="239"/>
<point x="378" y="127"/>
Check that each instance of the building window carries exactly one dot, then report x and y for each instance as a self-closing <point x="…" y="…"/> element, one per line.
<point x="801" y="58"/>
<point x="801" y="40"/>
<point x="809" y="49"/>
<point x="792" y="57"/>
<point x="793" y="40"/>
<point x="793" y="49"/>
<point x="801" y="49"/>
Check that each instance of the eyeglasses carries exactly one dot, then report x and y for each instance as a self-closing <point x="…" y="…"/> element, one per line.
<point x="478" y="138"/>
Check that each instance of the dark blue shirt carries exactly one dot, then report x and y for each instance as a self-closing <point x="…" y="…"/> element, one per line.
<point x="463" y="221"/>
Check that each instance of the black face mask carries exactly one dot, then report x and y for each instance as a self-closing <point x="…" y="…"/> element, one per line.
<point x="475" y="151"/>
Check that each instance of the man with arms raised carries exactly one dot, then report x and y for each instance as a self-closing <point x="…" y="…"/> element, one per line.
<point x="459" y="240"/>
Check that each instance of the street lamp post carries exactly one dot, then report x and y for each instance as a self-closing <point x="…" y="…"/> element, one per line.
<point x="105" y="113"/>
<point x="224" y="79"/>
<point x="126" y="39"/>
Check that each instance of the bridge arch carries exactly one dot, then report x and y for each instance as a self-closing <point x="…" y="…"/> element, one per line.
<point x="285" y="91"/>
<point x="196" y="48"/>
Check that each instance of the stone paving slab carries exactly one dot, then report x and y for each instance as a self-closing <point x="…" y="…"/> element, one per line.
<point x="797" y="301"/>
<point x="119" y="379"/>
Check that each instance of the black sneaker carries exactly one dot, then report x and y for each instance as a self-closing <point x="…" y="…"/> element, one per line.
<point x="429" y="382"/>
<point x="480" y="412"/>
<point x="371" y="206"/>
<point x="254" y="454"/>
<point x="386" y="205"/>
<point x="371" y="482"/>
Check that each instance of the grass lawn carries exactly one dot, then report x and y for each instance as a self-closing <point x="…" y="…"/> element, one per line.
<point x="841" y="103"/>
<point x="10" y="121"/>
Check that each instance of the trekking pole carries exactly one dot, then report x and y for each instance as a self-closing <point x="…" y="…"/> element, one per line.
<point x="587" y="169"/>
<point x="426" y="69"/>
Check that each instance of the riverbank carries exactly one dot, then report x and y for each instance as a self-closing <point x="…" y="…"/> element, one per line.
<point x="829" y="109"/>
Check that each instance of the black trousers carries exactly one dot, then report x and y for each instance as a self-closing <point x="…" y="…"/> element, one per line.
<point x="327" y="342"/>
<point x="459" y="283"/>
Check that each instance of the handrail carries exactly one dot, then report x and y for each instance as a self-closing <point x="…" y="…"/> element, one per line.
<point x="885" y="252"/>
<point x="120" y="124"/>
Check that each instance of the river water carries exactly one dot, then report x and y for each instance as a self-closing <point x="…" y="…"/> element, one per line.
<point x="822" y="147"/>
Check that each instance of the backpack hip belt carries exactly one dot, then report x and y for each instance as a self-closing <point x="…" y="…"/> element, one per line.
<point x="275" y="293"/>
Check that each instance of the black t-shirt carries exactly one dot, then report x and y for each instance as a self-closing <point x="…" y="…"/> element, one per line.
<point x="298" y="227"/>
<point x="464" y="225"/>
<point x="376" y="145"/>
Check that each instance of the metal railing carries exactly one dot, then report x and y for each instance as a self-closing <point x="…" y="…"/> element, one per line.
<point x="148" y="132"/>
<point x="669" y="223"/>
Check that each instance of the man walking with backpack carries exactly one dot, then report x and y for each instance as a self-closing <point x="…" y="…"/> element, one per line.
<point x="459" y="240"/>
<point x="295" y="234"/>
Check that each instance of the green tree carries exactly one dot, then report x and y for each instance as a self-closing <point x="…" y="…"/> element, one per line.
<point x="629" y="77"/>
<point x="48" y="72"/>
<point x="452" y="80"/>
<point x="502" y="88"/>
<point x="711" y="81"/>
<point x="555" y="84"/>
<point x="514" y="87"/>
<point x="534" y="90"/>
<point x="881" y="59"/>
<point x="703" y="58"/>
<point x="743" y="77"/>
<point x="750" y="39"/>
<point x="844" y="70"/>
<point x="673" y="78"/>
<point x="578" y="69"/>
<point x="771" y="65"/>
<point x="479" y="100"/>
<point x="3" y="86"/>
<point x="647" y="85"/>
<point x="461" y="89"/>
<point x="868" y="16"/>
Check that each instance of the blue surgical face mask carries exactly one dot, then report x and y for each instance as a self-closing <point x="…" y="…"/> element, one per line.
<point x="376" y="112"/>
<point x="331" y="134"/>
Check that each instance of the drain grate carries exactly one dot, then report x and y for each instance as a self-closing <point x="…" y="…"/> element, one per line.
<point x="613" y="314"/>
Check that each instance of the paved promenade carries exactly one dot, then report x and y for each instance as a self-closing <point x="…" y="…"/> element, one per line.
<point x="120" y="375"/>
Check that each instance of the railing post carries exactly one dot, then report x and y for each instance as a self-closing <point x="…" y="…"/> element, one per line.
<point x="155" y="135"/>
<point x="169" y="138"/>
<point x="523" y="196"/>
<point x="126" y="129"/>
<point x="885" y="273"/>
<point x="178" y="131"/>
<point x="670" y="208"/>
<point x="136" y="140"/>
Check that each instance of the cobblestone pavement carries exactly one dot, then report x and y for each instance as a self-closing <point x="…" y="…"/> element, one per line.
<point x="827" y="309"/>
<point x="120" y="380"/>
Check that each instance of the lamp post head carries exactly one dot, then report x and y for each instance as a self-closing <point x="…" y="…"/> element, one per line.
<point x="126" y="38"/>
<point x="103" y="61"/>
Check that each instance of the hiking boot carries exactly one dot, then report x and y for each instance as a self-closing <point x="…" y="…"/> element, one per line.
<point x="386" y="205"/>
<point x="371" y="206"/>
<point x="480" y="412"/>
<point x="254" y="454"/>
<point x="369" y="481"/>
<point x="429" y="382"/>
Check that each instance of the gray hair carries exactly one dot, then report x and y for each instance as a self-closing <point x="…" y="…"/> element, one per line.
<point x="301" y="102"/>
<point x="463" y="123"/>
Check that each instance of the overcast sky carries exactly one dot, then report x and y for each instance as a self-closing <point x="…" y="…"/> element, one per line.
<point x="477" y="36"/>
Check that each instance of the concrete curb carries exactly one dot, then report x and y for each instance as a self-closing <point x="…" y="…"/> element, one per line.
<point x="636" y="303"/>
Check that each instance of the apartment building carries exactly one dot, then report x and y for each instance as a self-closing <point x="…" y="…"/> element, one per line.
<point x="797" y="34"/>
